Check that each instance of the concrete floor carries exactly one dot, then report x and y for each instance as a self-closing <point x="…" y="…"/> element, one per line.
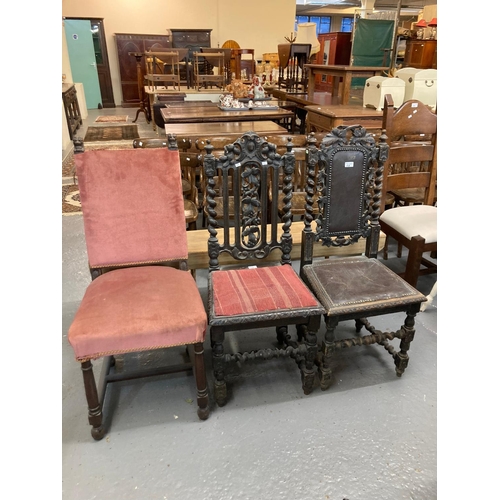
<point x="370" y="436"/>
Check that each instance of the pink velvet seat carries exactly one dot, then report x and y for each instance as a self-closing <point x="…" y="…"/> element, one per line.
<point x="258" y="296"/>
<point x="142" y="297"/>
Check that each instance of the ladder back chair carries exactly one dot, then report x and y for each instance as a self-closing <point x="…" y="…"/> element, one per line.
<point x="246" y="299"/>
<point x="412" y="166"/>
<point x="347" y="172"/>
<point x="142" y="296"/>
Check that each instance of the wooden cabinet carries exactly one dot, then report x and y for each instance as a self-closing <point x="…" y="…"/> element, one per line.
<point x="421" y="54"/>
<point x="335" y="49"/>
<point x="131" y="42"/>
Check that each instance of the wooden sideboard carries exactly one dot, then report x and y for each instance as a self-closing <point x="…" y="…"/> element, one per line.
<point x="136" y="43"/>
<point x="421" y="54"/>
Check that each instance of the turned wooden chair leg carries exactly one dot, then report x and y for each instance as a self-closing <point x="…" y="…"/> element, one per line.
<point x="201" y="381"/>
<point x="401" y="358"/>
<point x="386" y="248"/>
<point x="95" y="410"/>
<point x="414" y="260"/>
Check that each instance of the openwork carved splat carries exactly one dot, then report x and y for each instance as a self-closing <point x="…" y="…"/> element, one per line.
<point x="242" y="176"/>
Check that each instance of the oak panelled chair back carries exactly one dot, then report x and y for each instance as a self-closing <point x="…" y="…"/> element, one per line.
<point x="141" y="296"/>
<point x="412" y="166"/>
<point x="247" y="298"/>
<point x="346" y="170"/>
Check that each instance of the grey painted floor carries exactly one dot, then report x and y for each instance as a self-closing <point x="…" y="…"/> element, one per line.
<point x="370" y="436"/>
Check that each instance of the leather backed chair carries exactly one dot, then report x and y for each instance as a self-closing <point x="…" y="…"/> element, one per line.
<point x="347" y="172"/>
<point x="412" y="168"/>
<point x="244" y="299"/>
<point x="141" y="297"/>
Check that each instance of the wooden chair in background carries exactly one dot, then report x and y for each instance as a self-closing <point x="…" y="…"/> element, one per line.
<point x="141" y="297"/>
<point x="346" y="171"/>
<point x="412" y="165"/>
<point x="246" y="299"/>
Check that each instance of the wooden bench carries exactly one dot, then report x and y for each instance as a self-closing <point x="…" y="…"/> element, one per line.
<point x="198" y="249"/>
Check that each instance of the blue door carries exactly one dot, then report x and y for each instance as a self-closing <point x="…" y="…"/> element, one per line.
<point x="82" y="59"/>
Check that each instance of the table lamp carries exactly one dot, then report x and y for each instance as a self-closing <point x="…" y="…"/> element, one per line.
<point x="306" y="33"/>
<point x="433" y="24"/>
<point x="421" y="25"/>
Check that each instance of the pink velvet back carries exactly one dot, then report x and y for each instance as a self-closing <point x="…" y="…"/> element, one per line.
<point x="133" y="208"/>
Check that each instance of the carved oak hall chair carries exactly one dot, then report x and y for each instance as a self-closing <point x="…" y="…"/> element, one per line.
<point x="412" y="166"/>
<point x="141" y="296"/>
<point x="255" y="296"/>
<point x="349" y="183"/>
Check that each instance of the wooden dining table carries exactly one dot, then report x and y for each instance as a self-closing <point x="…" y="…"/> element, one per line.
<point x="204" y="114"/>
<point x="194" y="130"/>
<point x="342" y="78"/>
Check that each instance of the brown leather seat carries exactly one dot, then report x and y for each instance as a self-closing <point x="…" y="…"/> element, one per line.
<point x="346" y="171"/>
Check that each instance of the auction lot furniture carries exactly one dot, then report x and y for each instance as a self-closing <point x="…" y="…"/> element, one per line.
<point x="211" y="67"/>
<point x="349" y="184"/>
<point x="292" y="59"/>
<point x="411" y="179"/>
<point x="127" y="45"/>
<point x="245" y="299"/>
<point x="164" y="67"/>
<point x="234" y="129"/>
<point x="142" y="296"/>
<point x="215" y="114"/>
<point x="342" y="78"/>
<point x="325" y="118"/>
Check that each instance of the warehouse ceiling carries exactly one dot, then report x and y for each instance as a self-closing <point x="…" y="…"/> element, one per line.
<point x="311" y="5"/>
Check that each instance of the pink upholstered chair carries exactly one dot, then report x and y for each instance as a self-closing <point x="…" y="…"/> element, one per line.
<point x="245" y="299"/>
<point x="141" y="296"/>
